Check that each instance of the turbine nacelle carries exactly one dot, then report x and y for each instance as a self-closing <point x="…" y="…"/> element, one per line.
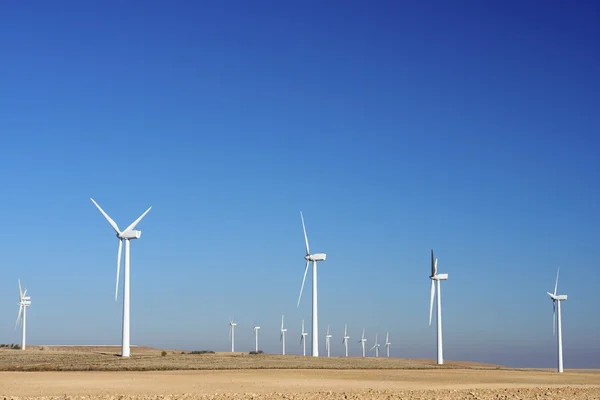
<point x="130" y="235"/>
<point x="316" y="257"/>
<point x="439" y="277"/>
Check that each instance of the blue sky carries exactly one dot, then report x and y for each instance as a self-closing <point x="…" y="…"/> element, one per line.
<point x="397" y="127"/>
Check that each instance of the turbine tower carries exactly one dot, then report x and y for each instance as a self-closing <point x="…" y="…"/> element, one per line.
<point x="303" y="340"/>
<point x="315" y="320"/>
<point x="256" y="328"/>
<point x="128" y="234"/>
<point x="376" y="346"/>
<point x="282" y="337"/>
<point x="24" y="302"/>
<point x="345" y="339"/>
<point x="437" y="278"/>
<point x="362" y="342"/>
<point x="556" y="299"/>
<point x="387" y="343"/>
<point x="328" y="342"/>
<point x="232" y="326"/>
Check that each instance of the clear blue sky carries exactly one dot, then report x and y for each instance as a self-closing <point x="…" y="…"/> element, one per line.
<point x="397" y="127"/>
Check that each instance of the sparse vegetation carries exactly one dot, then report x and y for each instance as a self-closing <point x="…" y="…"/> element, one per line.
<point x="256" y="352"/>
<point x="11" y="346"/>
<point x="164" y="353"/>
<point x="202" y="352"/>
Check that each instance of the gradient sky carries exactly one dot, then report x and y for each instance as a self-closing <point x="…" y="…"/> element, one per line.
<point x="468" y="127"/>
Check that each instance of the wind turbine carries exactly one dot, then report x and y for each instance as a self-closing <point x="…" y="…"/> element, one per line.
<point x="315" y="320"/>
<point x="328" y="342"/>
<point x="376" y="346"/>
<point x="128" y="234"/>
<point x="303" y="340"/>
<point x="282" y="337"/>
<point x="362" y="342"/>
<point x="24" y="302"/>
<point x="232" y="326"/>
<point x="256" y="328"/>
<point x="435" y="277"/>
<point x="387" y="343"/>
<point x="556" y="299"/>
<point x="345" y="339"/>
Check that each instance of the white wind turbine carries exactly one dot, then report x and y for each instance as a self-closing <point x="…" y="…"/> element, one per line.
<point x="345" y="339"/>
<point x="387" y="343"/>
<point x="128" y="234"/>
<point x="303" y="340"/>
<point x="232" y="326"/>
<point x="256" y="328"/>
<point x="282" y="337"/>
<point x="315" y="320"/>
<point x="435" y="277"/>
<point x="376" y="346"/>
<point x="328" y="342"/>
<point x="24" y="302"/>
<point x="556" y="299"/>
<point x="362" y="342"/>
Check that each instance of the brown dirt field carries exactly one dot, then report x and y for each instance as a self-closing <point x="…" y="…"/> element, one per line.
<point x="226" y="376"/>
<point x="86" y="358"/>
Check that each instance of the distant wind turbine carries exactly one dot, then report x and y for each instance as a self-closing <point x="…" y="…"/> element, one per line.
<point x="128" y="234"/>
<point x="315" y="320"/>
<point x="282" y="337"/>
<point x="303" y="340"/>
<point x="232" y="326"/>
<point x="256" y="328"/>
<point x="328" y="342"/>
<point x="24" y="302"/>
<point x="387" y="343"/>
<point x="556" y="299"/>
<point x="345" y="339"/>
<point x="435" y="277"/>
<point x="376" y="346"/>
<point x="362" y="342"/>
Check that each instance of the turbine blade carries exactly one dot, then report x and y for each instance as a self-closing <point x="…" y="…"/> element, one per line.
<point x="230" y="327"/>
<point x="109" y="219"/>
<point x="303" y="279"/>
<point x="431" y="300"/>
<point x="433" y="271"/>
<point x="556" y="284"/>
<point x="345" y="330"/>
<point x="305" y="236"/>
<point x="118" y="268"/>
<point x="18" y="316"/>
<point x="20" y="291"/>
<point x="282" y="322"/>
<point x="137" y="221"/>
<point x="553" y="318"/>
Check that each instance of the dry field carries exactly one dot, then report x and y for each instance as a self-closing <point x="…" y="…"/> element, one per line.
<point x="92" y="373"/>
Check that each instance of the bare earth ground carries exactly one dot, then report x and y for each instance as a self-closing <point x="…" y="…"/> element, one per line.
<point x="223" y="376"/>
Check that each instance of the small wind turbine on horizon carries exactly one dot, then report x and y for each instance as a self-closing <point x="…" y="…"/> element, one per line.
<point x="232" y="326"/>
<point x="376" y="345"/>
<point x="256" y="328"/>
<point x="435" y="277"/>
<point x="556" y="299"/>
<point x="345" y="339"/>
<point x="315" y="320"/>
<point x="282" y="337"/>
<point x="387" y="343"/>
<point x="128" y="234"/>
<point x="303" y="340"/>
<point x="24" y="302"/>
<point x="362" y="343"/>
<point x="328" y="342"/>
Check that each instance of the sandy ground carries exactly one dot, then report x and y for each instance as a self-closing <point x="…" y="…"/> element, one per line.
<point x="72" y="373"/>
<point x="304" y="384"/>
